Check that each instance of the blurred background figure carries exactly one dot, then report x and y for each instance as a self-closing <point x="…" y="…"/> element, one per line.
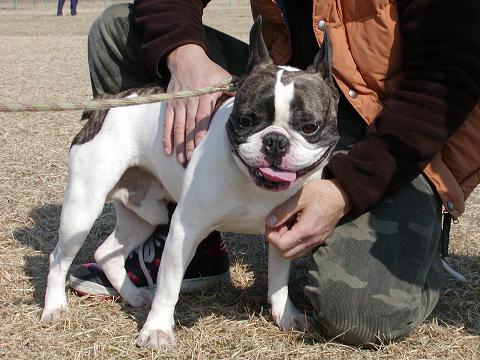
<point x="73" y="7"/>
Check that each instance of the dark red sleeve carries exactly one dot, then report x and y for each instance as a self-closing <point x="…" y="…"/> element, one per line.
<point x="166" y="25"/>
<point x="441" y="51"/>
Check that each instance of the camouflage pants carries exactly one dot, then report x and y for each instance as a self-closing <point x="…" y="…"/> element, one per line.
<point x="378" y="276"/>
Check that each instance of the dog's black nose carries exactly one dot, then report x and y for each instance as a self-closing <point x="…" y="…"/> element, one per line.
<point x="275" y="145"/>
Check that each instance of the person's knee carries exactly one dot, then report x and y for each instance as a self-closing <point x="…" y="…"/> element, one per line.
<point x="346" y="314"/>
<point x="107" y="23"/>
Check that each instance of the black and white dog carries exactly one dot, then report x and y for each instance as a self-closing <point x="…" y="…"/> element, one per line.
<point x="262" y="147"/>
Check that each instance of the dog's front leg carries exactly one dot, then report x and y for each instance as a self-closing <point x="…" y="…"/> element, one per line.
<point x="285" y="314"/>
<point x="182" y="241"/>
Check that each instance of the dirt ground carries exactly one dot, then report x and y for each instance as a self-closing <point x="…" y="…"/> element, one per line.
<point x="44" y="57"/>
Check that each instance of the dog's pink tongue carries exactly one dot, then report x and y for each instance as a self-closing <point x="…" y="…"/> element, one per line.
<point x="278" y="175"/>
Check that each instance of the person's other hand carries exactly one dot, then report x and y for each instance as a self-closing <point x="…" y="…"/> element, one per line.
<point x="187" y="120"/>
<point x="306" y="219"/>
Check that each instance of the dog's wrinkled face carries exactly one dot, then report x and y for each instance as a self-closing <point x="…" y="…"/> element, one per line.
<point x="283" y="124"/>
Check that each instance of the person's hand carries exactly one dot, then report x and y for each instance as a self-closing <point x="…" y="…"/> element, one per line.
<point x="187" y="120"/>
<point x="306" y="219"/>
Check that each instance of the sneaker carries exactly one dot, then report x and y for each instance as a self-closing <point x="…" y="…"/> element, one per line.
<point x="209" y="268"/>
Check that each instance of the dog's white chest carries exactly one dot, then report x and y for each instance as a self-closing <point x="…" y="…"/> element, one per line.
<point x="249" y="217"/>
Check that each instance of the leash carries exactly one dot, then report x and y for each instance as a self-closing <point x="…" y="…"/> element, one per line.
<point x="444" y="243"/>
<point x="223" y="86"/>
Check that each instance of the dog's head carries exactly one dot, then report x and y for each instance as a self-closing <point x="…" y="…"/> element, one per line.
<point x="283" y="124"/>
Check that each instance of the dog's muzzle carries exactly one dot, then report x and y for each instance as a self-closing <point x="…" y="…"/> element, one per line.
<point x="276" y="179"/>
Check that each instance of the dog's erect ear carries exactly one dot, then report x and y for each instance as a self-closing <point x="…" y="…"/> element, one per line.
<point x="258" y="53"/>
<point x="322" y="63"/>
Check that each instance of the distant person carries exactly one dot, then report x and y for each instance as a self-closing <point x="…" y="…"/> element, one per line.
<point x="73" y="7"/>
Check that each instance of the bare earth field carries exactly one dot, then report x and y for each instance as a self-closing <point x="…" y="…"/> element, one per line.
<point x="45" y="57"/>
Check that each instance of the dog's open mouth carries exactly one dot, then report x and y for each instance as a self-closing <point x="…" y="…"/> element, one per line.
<point x="272" y="178"/>
<point x="275" y="179"/>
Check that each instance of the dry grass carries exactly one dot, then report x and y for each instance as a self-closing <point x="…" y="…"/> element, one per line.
<point x="45" y="57"/>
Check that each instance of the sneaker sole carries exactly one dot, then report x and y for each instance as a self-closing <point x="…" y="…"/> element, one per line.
<point x="83" y="287"/>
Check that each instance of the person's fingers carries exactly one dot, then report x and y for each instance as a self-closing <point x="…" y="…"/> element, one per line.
<point x="304" y="235"/>
<point x="273" y="234"/>
<point x="203" y="118"/>
<point x="179" y="131"/>
<point x="298" y="251"/>
<point x="168" y="128"/>
<point x="305" y="227"/>
<point x="282" y="213"/>
<point x="191" y="112"/>
<point x="303" y="244"/>
<point x="291" y="238"/>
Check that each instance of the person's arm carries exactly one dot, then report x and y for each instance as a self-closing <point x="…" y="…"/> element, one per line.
<point x="441" y="59"/>
<point x="441" y="50"/>
<point x="166" y="25"/>
<point x="173" y="41"/>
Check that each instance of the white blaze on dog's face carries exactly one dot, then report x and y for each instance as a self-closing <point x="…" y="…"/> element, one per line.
<point x="283" y="125"/>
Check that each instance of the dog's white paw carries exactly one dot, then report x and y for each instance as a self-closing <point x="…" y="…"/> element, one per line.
<point x="292" y="320"/>
<point x="155" y="338"/>
<point x="52" y="315"/>
<point x="139" y="297"/>
<point x="157" y="332"/>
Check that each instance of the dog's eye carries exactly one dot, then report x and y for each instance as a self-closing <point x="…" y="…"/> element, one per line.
<point x="310" y="129"/>
<point x="246" y="121"/>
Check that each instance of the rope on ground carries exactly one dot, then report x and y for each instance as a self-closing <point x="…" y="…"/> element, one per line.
<point x="223" y="86"/>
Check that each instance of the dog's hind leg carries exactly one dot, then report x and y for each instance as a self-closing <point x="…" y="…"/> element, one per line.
<point x="140" y="206"/>
<point x="130" y="232"/>
<point x="90" y="179"/>
<point x="80" y="210"/>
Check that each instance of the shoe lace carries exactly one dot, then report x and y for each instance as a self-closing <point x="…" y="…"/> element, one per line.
<point x="146" y="254"/>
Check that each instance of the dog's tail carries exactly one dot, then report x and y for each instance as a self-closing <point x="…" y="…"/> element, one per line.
<point x="95" y="118"/>
<point x="86" y="114"/>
